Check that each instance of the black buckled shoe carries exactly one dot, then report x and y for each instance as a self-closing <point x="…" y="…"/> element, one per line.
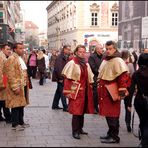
<point x="105" y="137"/>
<point x="65" y="110"/>
<point x="76" y="135"/>
<point x="83" y="133"/>
<point x="2" y="119"/>
<point x="129" y="128"/>
<point x="57" y="107"/>
<point x="110" y="140"/>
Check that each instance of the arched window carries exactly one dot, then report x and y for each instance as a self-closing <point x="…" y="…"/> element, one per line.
<point x="114" y="11"/>
<point x="94" y="9"/>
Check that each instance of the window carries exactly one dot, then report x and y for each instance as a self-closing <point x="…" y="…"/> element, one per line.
<point x="1" y="14"/>
<point x="114" y="19"/>
<point x="94" y="19"/>
<point x="1" y="17"/>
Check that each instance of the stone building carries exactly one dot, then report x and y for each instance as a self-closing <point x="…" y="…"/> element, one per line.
<point x="81" y="22"/>
<point x="133" y="24"/>
<point x="31" y="34"/>
<point x="9" y="17"/>
<point x="10" y="13"/>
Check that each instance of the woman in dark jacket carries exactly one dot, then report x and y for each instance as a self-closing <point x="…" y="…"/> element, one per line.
<point x="140" y="79"/>
<point x="41" y="66"/>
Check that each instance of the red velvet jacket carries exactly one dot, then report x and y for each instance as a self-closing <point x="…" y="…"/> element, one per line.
<point x="84" y="100"/>
<point x="108" y="107"/>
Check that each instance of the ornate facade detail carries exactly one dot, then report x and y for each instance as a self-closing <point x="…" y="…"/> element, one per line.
<point x="115" y="7"/>
<point x="94" y="7"/>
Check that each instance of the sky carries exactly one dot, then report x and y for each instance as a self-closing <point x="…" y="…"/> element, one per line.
<point x="35" y="11"/>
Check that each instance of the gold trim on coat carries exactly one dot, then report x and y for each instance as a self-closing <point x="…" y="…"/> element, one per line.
<point x="111" y="69"/>
<point x="72" y="71"/>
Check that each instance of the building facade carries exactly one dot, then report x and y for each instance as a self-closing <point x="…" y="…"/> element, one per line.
<point x="43" y="40"/>
<point x="31" y="34"/>
<point x="10" y="12"/>
<point x="20" y="28"/>
<point x="133" y="24"/>
<point x="9" y="17"/>
<point x="80" y="22"/>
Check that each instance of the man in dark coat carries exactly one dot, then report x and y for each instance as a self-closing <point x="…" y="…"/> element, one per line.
<point x="94" y="61"/>
<point x="60" y="62"/>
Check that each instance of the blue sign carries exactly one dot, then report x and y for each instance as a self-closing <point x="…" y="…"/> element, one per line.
<point x="88" y="35"/>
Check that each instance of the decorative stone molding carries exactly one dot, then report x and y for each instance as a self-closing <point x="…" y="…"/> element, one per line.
<point x="115" y="7"/>
<point x="94" y="7"/>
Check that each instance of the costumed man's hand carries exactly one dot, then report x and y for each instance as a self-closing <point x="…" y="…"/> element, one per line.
<point x="61" y="81"/>
<point x="129" y="109"/>
<point x="17" y="91"/>
<point x="68" y="96"/>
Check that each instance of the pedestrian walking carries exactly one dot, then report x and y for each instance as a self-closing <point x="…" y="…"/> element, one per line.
<point x="52" y="61"/>
<point x="140" y="82"/>
<point x="94" y="61"/>
<point x="46" y="65"/>
<point x="78" y="77"/>
<point x="32" y="64"/>
<point x="135" y="59"/>
<point x="112" y="87"/>
<point x="41" y="67"/>
<point x="17" y="88"/>
<point x="4" y="54"/>
<point x="125" y="55"/>
<point x="60" y="62"/>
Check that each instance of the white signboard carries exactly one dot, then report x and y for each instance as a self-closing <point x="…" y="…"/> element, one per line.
<point x="144" y="27"/>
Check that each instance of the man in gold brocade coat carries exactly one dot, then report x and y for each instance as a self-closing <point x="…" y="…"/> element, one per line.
<point x="18" y="87"/>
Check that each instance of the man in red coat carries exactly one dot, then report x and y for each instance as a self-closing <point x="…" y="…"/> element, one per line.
<point x="77" y="87"/>
<point x="112" y="69"/>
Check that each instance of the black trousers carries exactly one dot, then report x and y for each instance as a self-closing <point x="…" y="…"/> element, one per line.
<point x="77" y="123"/>
<point x="113" y="124"/>
<point x="78" y="120"/>
<point x="95" y="94"/>
<point x="17" y="113"/>
<point x="17" y="116"/>
<point x="6" y="111"/>
<point x="32" y="71"/>
<point x="59" y="94"/>
<point x="143" y="116"/>
<point x="127" y="112"/>
<point x="41" y="81"/>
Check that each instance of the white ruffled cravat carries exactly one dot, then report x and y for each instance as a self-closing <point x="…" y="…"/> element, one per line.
<point x="23" y="65"/>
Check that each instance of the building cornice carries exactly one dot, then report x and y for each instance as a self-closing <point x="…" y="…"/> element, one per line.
<point x="115" y="7"/>
<point x="62" y="33"/>
<point x="51" y="4"/>
<point x="96" y="30"/>
<point x="94" y="7"/>
<point x="83" y="30"/>
<point x="129" y="20"/>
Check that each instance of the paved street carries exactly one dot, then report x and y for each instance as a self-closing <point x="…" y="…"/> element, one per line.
<point x="52" y="128"/>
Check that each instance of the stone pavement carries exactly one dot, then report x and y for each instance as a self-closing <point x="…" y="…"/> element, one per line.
<point x="52" y="128"/>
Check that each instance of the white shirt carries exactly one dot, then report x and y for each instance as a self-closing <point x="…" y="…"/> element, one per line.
<point x="23" y="65"/>
<point x="46" y="60"/>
